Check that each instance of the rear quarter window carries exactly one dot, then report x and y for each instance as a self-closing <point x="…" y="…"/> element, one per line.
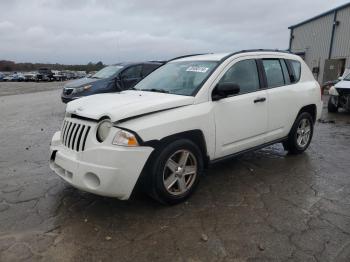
<point x="296" y="66"/>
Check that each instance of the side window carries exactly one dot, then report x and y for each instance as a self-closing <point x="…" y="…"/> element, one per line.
<point x="296" y="68"/>
<point x="285" y="72"/>
<point x="132" y="72"/>
<point x="244" y="74"/>
<point x="273" y="71"/>
<point x="148" y="68"/>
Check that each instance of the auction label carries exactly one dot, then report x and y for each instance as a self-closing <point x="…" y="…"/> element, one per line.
<point x="198" y="69"/>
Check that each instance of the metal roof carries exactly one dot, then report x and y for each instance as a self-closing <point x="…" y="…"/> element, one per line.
<point x="320" y="15"/>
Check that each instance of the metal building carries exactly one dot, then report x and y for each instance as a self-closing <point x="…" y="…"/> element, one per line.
<point x="324" y="42"/>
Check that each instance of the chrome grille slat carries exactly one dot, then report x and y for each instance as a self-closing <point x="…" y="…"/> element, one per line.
<point x="79" y="138"/>
<point x="74" y="134"/>
<point x="66" y="134"/>
<point x="84" y="141"/>
<point x="63" y="129"/>
<point x="71" y="135"/>
<point x="74" y="143"/>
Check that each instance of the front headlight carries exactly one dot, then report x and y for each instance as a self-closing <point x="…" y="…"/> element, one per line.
<point x="125" y="138"/>
<point x="83" y="88"/>
<point x="103" y="130"/>
<point x="333" y="91"/>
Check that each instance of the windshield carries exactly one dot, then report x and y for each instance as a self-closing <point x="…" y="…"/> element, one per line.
<point x="347" y="78"/>
<point x="106" y="72"/>
<point x="180" y="78"/>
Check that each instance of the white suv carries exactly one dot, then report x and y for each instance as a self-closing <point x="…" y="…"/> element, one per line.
<point x="189" y="113"/>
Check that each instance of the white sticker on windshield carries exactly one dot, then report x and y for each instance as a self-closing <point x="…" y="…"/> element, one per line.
<point x="198" y="69"/>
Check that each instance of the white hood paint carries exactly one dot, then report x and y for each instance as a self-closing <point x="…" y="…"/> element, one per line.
<point x="126" y="104"/>
<point x="343" y="84"/>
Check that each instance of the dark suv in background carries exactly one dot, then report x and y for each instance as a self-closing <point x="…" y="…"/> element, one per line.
<point x="45" y="74"/>
<point x="113" y="78"/>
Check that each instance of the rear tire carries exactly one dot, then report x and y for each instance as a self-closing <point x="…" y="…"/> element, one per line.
<point x="332" y="108"/>
<point x="175" y="171"/>
<point x="300" y="136"/>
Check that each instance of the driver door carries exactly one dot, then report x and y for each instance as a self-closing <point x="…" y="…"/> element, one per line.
<point x="241" y="120"/>
<point x="131" y="76"/>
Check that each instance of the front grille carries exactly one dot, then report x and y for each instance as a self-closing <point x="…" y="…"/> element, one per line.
<point x="73" y="135"/>
<point x="67" y="91"/>
<point x="343" y="91"/>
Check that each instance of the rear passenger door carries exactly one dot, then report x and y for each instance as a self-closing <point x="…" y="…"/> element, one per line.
<point x="281" y="94"/>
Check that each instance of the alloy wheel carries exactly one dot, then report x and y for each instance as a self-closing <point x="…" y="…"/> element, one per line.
<point x="303" y="132"/>
<point x="180" y="172"/>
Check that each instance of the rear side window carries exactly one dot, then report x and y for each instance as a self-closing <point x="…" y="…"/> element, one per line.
<point x="132" y="72"/>
<point x="244" y="74"/>
<point x="297" y="69"/>
<point x="273" y="71"/>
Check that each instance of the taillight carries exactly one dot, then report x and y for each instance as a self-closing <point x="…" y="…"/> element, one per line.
<point x="321" y="91"/>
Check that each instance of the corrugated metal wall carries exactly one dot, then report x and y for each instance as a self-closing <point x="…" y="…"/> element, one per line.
<point x="341" y="44"/>
<point x="314" y="39"/>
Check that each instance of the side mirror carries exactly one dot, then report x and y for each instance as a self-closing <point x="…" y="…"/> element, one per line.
<point x="340" y="78"/>
<point x="223" y="90"/>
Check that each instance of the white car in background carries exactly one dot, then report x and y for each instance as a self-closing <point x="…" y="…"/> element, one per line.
<point x="30" y="76"/>
<point x="339" y="94"/>
<point x="187" y="114"/>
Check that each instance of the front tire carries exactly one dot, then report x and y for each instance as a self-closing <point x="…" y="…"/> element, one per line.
<point x="332" y="107"/>
<point x="175" y="171"/>
<point x="300" y="135"/>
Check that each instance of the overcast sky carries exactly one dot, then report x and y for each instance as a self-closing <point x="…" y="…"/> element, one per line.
<point x="80" y="31"/>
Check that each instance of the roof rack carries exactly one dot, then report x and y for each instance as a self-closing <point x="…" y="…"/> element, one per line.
<point x="184" y="56"/>
<point x="256" y="50"/>
<point x="235" y="53"/>
<point x="265" y="50"/>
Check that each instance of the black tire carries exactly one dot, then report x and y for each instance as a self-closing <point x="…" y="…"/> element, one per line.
<point x="291" y="144"/>
<point x="332" y="108"/>
<point x="157" y="168"/>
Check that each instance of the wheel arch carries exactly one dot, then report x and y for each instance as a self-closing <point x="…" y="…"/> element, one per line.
<point x="195" y="135"/>
<point x="311" y="109"/>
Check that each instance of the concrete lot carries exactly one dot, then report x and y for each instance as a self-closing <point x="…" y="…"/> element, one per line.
<point x="263" y="206"/>
<point x="16" y="88"/>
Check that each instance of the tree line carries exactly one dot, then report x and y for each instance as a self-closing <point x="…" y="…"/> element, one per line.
<point x="11" y="66"/>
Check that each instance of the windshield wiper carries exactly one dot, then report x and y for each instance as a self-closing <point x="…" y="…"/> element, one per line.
<point x="155" y="90"/>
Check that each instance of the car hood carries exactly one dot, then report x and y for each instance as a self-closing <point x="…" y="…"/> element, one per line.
<point x="80" y="82"/>
<point x="126" y="104"/>
<point x="343" y="84"/>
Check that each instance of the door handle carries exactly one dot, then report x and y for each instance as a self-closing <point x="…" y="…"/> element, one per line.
<point x="260" y="100"/>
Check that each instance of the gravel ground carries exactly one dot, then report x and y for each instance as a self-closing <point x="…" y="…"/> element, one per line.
<point x="262" y="206"/>
<point x="16" y="88"/>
